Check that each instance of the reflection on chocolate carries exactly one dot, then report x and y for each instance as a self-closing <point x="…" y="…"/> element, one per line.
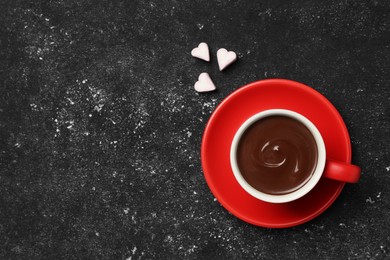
<point x="277" y="155"/>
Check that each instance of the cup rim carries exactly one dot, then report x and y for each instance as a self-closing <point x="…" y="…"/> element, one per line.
<point x="306" y="188"/>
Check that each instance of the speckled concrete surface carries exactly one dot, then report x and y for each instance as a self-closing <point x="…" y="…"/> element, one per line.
<point x="100" y="127"/>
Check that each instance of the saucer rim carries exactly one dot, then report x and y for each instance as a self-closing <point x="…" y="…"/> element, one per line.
<point x="220" y="197"/>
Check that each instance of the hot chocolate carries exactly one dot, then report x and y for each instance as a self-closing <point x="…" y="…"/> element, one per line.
<point x="277" y="155"/>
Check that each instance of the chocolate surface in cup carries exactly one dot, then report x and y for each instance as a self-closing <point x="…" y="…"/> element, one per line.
<point x="277" y="155"/>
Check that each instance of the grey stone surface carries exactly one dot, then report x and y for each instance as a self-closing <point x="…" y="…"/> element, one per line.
<point x="100" y="127"/>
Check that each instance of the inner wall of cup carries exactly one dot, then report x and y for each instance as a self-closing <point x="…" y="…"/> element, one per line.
<point x="320" y="156"/>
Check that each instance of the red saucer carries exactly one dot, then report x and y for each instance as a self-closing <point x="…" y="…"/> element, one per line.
<point x="225" y="121"/>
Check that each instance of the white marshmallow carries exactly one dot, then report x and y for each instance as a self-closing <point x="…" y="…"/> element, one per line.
<point x="225" y="58"/>
<point x="204" y="83"/>
<point x="201" y="52"/>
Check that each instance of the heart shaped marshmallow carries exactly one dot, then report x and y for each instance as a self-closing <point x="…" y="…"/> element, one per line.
<point x="204" y="83"/>
<point x="201" y="52"/>
<point x="225" y="58"/>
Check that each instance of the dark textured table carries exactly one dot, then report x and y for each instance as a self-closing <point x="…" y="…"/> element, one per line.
<point x="101" y="128"/>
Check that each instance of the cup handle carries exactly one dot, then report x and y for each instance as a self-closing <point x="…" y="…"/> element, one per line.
<point x="342" y="171"/>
